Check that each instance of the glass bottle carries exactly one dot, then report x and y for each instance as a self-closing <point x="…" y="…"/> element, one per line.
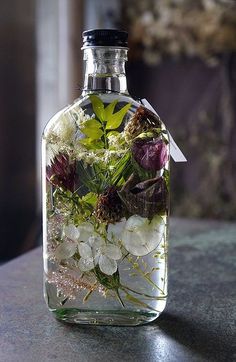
<point x="105" y="173"/>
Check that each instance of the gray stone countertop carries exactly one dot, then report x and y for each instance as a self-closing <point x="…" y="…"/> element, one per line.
<point x="198" y="323"/>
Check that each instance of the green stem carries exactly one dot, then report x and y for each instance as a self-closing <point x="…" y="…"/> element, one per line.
<point x="105" y="136"/>
<point x="87" y="296"/>
<point x="165" y="270"/>
<point x="125" y="288"/>
<point x="134" y="300"/>
<point x="140" y="271"/>
<point x="119" y="298"/>
<point x="64" y="301"/>
<point x="124" y="257"/>
<point x="73" y="199"/>
<point x="76" y="191"/>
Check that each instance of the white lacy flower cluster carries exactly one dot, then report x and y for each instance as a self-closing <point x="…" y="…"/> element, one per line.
<point x="62" y="136"/>
<point x="62" y="131"/>
<point x="100" y="155"/>
<point x="115" y="140"/>
<point x="137" y="235"/>
<point x="80" y="116"/>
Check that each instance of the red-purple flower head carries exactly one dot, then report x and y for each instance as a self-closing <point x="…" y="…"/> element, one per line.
<point x="62" y="173"/>
<point x="150" y="154"/>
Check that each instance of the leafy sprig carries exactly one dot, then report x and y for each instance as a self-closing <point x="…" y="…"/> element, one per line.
<point x="97" y="129"/>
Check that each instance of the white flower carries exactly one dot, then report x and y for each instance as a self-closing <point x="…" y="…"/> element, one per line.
<point x="92" y="248"/>
<point x="113" y="140"/>
<point x="86" y="261"/>
<point x="114" y="231"/>
<point x="52" y="150"/>
<point x="71" y="232"/>
<point x="80" y="116"/>
<point x="65" y="128"/>
<point x="89" y="157"/>
<point x="97" y="252"/>
<point x="65" y="250"/>
<point x="138" y="235"/>
<point x="79" y="233"/>
<point x="68" y="248"/>
<point x="59" y="134"/>
<point x="141" y="236"/>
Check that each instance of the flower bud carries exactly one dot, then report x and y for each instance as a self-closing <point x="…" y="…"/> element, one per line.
<point x="62" y="173"/>
<point x="150" y="154"/>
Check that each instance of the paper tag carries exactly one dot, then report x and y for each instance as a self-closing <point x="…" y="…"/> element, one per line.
<point x="175" y="151"/>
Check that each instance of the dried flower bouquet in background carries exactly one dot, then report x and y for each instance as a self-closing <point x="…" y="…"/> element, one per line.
<point x="204" y="28"/>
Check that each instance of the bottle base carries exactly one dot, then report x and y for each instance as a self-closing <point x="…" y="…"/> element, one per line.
<point x="115" y="318"/>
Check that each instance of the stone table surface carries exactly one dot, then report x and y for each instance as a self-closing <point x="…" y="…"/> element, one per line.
<point x="198" y="323"/>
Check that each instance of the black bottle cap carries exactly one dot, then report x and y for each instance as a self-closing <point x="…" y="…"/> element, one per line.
<point x="105" y="37"/>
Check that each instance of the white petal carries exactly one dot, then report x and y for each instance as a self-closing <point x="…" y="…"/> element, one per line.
<point x="140" y="237"/>
<point x="65" y="128"/>
<point x="136" y="222"/>
<point x="114" y="231"/>
<point x="65" y="250"/>
<point x="96" y="259"/>
<point x="86" y="264"/>
<point x="52" y="151"/>
<point x="96" y="241"/>
<point x="157" y="229"/>
<point x="133" y="244"/>
<point x="97" y="244"/>
<point x="85" y="251"/>
<point x="72" y="232"/>
<point x="86" y="229"/>
<point x="153" y="232"/>
<point x="112" y="251"/>
<point x="107" y="266"/>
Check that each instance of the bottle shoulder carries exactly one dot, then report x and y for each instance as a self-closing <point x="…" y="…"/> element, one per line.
<point x="100" y="106"/>
<point x="85" y="101"/>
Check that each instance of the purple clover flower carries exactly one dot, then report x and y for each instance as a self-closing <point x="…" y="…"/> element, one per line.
<point x="62" y="173"/>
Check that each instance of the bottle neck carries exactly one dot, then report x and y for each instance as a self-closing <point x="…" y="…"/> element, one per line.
<point x="105" y="70"/>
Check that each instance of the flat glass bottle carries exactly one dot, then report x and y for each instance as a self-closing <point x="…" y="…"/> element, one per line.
<point x="105" y="173"/>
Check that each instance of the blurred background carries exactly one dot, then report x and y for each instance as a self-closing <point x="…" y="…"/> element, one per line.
<point x="182" y="58"/>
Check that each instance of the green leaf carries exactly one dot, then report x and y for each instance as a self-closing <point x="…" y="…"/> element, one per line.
<point x="85" y="175"/>
<point x="110" y="109"/>
<point x="98" y="107"/>
<point x="92" y="129"/>
<point x="92" y="123"/>
<point x="90" y="198"/>
<point x="122" y="169"/>
<point x="108" y="281"/>
<point x="121" y="182"/>
<point x="91" y="143"/>
<point x="86" y="141"/>
<point x="166" y="176"/>
<point x="115" y="119"/>
<point x="93" y="133"/>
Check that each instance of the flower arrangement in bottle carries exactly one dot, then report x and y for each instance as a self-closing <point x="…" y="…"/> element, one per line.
<point x="105" y="198"/>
